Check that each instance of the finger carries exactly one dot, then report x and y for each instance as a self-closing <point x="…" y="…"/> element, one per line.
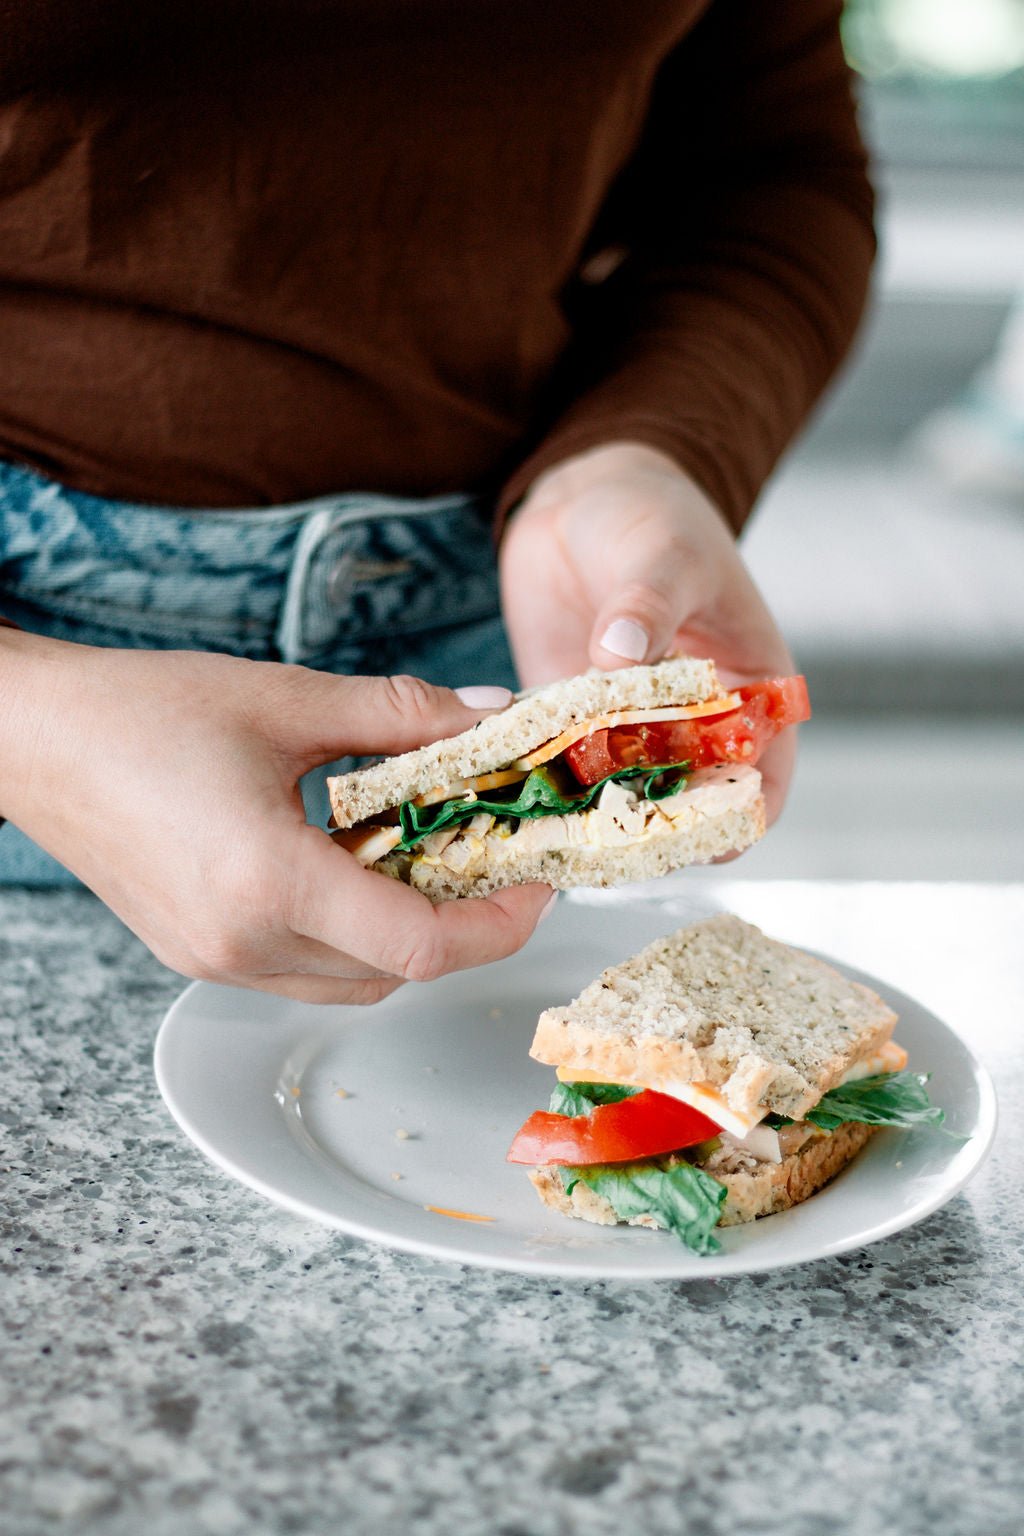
<point x="390" y="926"/>
<point x="323" y="989"/>
<point x="740" y="634"/>
<point x="551" y="648"/>
<point x="549" y="641"/>
<point x="547" y="652"/>
<point x="306" y="956"/>
<point x="776" y="766"/>
<point x="654" y="596"/>
<point x="330" y="716"/>
<point x="549" y="638"/>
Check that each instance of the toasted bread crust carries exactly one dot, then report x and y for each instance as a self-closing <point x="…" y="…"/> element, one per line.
<point x="532" y="719"/>
<point x="767" y="1026"/>
<point x="772" y="1188"/>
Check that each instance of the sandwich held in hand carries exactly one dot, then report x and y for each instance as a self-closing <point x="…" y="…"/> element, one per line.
<point x="715" y="1077"/>
<point x="607" y="777"/>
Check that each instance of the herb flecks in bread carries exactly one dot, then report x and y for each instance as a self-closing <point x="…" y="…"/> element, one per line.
<point x="535" y="716"/>
<point x="719" y="1003"/>
<point x="749" y="1193"/>
<point x="719" y="811"/>
<point x="607" y="777"/>
<point x="715" y="1077"/>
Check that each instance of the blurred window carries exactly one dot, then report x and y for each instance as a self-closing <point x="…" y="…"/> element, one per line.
<point x="945" y="79"/>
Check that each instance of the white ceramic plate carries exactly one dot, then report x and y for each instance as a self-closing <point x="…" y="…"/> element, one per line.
<point x="319" y="1109"/>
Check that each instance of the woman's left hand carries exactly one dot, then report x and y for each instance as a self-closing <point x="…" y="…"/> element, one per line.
<point x="616" y="557"/>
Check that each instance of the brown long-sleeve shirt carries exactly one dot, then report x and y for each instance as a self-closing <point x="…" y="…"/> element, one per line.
<point x="253" y="251"/>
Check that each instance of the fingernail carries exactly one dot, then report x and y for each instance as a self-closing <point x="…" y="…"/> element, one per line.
<point x="548" y="907"/>
<point x="626" y="638"/>
<point x="484" y="698"/>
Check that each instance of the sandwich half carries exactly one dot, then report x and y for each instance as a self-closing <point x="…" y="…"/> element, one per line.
<point x="606" y="777"/>
<point x="715" y="1077"/>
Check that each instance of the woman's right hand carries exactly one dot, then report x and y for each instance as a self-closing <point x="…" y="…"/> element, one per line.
<point x="168" y="782"/>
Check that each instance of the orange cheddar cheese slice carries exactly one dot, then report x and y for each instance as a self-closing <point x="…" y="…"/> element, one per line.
<point x="575" y="733"/>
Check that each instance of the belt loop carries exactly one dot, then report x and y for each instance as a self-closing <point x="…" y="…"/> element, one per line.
<point x="291" y="639"/>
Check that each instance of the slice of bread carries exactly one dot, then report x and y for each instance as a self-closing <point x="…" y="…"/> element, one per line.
<point x="718" y="1003"/>
<point x="771" y="1188"/>
<point x="531" y="720"/>
<point x="720" y="811"/>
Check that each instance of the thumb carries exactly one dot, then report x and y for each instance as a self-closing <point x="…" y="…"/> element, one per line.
<point x="638" y="621"/>
<point x="363" y="716"/>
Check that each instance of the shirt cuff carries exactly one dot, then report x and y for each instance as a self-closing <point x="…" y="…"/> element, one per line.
<point x="703" y="464"/>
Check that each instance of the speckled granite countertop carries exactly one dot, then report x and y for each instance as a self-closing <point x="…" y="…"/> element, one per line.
<point x="182" y="1357"/>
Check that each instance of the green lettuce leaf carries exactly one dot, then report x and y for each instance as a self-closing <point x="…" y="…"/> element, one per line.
<point x="889" y="1098"/>
<point x="686" y="1200"/>
<point x="544" y="792"/>
<point x="580" y="1098"/>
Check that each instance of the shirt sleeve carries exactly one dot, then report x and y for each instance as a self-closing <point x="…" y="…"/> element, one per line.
<point x="745" y="218"/>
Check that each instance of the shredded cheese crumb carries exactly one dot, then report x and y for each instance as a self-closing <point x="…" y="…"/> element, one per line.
<point x="442" y="1210"/>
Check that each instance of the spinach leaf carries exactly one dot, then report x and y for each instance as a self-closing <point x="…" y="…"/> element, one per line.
<point x="544" y="792"/>
<point x="889" y="1098"/>
<point x="580" y="1098"/>
<point x="685" y="1200"/>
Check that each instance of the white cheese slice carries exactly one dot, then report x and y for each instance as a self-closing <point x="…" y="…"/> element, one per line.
<point x="467" y="788"/>
<point x="889" y="1057"/>
<point x="700" y="1096"/>
<point x="762" y="1142"/>
<point x="710" y="1102"/>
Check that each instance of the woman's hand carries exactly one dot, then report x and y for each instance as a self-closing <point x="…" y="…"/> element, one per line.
<point x="617" y="556"/>
<point x="167" y="781"/>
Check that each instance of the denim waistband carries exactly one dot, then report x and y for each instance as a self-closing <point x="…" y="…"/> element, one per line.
<point x="295" y="583"/>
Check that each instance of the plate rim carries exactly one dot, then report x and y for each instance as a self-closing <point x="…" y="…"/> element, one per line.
<point x="684" y="1266"/>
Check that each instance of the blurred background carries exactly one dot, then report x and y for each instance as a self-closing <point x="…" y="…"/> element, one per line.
<point x="890" y="544"/>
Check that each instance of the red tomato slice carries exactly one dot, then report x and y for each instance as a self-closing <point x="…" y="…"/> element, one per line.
<point x="738" y="736"/>
<point x="642" y="1126"/>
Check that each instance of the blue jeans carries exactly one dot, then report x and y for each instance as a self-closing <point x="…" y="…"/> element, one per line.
<point x="347" y="584"/>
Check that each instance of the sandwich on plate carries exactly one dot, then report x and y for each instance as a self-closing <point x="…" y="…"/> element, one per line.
<point x="715" y="1077"/>
<point x="606" y="777"/>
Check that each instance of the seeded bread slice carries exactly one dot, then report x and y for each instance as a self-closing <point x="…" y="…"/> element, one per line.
<point x="709" y="820"/>
<point x="772" y="1188"/>
<point x="719" y="1003"/>
<point x="532" y="719"/>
